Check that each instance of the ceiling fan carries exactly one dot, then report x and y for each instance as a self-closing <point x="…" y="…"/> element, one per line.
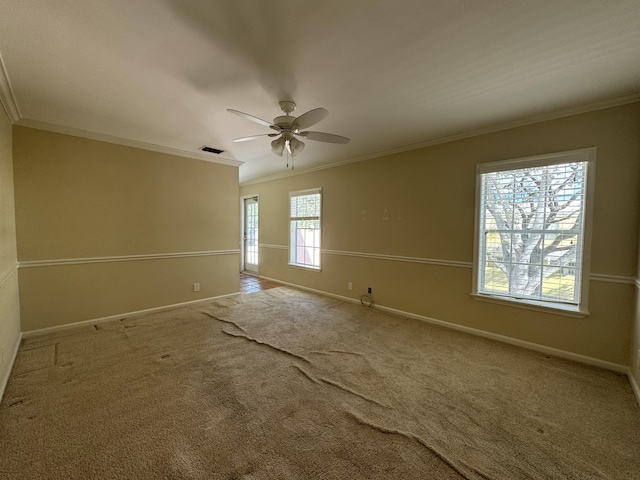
<point x="288" y="128"/>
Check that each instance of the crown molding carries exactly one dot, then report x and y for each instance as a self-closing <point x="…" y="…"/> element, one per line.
<point x="127" y="142"/>
<point x="7" y="98"/>
<point x="567" y="112"/>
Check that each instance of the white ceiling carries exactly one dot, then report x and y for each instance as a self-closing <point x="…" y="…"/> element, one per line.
<point x="392" y="73"/>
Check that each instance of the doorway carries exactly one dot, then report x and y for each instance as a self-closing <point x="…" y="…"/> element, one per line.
<point x="250" y="235"/>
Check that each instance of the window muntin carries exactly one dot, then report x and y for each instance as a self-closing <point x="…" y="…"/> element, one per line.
<point x="531" y="233"/>
<point x="251" y="231"/>
<point x="305" y="228"/>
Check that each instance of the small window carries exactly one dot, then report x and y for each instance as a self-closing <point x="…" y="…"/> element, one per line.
<point x="305" y="230"/>
<point x="532" y="241"/>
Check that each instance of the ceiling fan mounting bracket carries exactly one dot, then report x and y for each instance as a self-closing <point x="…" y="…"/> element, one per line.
<point x="287" y="106"/>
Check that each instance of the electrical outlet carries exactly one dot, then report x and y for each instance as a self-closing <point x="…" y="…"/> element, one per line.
<point x="196" y="287"/>
<point x="369" y="291"/>
<point x="350" y="286"/>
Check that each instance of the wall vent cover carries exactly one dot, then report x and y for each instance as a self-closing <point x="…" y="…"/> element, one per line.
<point x="211" y="150"/>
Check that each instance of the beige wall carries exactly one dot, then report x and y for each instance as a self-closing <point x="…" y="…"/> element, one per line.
<point x="421" y="204"/>
<point x="9" y="301"/>
<point x="83" y="199"/>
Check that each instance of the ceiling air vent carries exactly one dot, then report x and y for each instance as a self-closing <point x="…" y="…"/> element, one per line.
<point x="211" y="150"/>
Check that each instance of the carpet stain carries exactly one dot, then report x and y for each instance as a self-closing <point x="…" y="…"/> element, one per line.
<point x="32" y="360"/>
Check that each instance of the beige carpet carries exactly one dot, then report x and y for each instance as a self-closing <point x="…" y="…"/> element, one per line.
<point x="284" y="384"/>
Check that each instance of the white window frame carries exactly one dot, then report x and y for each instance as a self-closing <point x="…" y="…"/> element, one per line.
<point x="293" y="231"/>
<point x="581" y="155"/>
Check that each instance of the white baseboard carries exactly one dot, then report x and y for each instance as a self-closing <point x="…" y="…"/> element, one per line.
<point x="312" y="290"/>
<point x="137" y="313"/>
<point x="5" y="377"/>
<point x="480" y="333"/>
<point x="555" y="352"/>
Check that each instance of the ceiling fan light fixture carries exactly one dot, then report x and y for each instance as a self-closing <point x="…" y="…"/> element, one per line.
<point x="277" y="146"/>
<point x="296" y="146"/>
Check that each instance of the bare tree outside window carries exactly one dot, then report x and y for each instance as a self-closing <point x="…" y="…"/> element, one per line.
<point x="531" y="222"/>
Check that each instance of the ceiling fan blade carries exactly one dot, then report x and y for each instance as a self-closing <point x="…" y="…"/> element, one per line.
<point x="257" y="120"/>
<point x="253" y="137"/>
<point x="324" y="137"/>
<point x="310" y="118"/>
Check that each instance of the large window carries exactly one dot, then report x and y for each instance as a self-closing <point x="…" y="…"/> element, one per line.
<point x="304" y="247"/>
<point x="532" y="240"/>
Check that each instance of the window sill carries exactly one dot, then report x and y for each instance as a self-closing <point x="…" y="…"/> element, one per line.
<point x="305" y="267"/>
<point x="547" y="307"/>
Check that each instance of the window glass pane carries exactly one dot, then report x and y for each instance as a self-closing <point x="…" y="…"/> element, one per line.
<point x="305" y="205"/>
<point x="305" y="229"/>
<point x="252" y="241"/>
<point x="532" y="227"/>
<point x="559" y="283"/>
<point x="495" y="280"/>
<point x="307" y="242"/>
